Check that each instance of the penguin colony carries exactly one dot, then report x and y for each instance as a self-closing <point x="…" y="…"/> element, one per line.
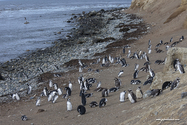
<point x="55" y="92"/>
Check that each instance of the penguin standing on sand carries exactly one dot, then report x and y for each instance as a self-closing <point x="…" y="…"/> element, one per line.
<point x="131" y="96"/>
<point x="81" y="109"/>
<point x="166" y="85"/>
<point x="122" y="96"/>
<point x="117" y="82"/>
<point x="69" y="105"/>
<point x="175" y="83"/>
<point x="45" y="91"/>
<point x="105" y="93"/>
<point x="29" y="90"/>
<point x="50" y="83"/>
<point x="55" y="98"/>
<point x="179" y="66"/>
<point x="70" y="85"/>
<point x="102" y="102"/>
<point x="83" y="99"/>
<point x="68" y="91"/>
<point x="139" y="93"/>
<point x="38" y="101"/>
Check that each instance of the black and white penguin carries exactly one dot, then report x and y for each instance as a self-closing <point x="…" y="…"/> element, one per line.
<point x="81" y="109"/>
<point x="93" y="104"/>
<point x="122" y="96"/>
<point x="105" y="93"/>
<point x="50" y="83"/>
<point x="83" y="99"/>
<point x="88" y="95"/>
<point x="175" y="83"/>
<point x="148" y="81"/>
<point x="113" y="89"/>
<point x="91" y="80"/>
<point x="51" y="95"/>
<point x="179" y="66"/>
<point x="139" y="93"/>
<point x="68" y="91"/>
<point x="166" y="85"/>
<point x="102" y="102"/>
<point x="99" y="89"/>
<point x="135" y="82"/>
<point x="29" y="90"/>
<point x="129" y="53"/>
<point x="159" y="44"/>
<point x="131" y="96"/>
<point x="123" y="62"/>
<point x="38" y="101"/>
<point x="135" y="75"/>
<point x="99" y="85"/>
<point x="120" y="73"/>
<point x="24" y="118"/>
<point x="55" y="86"/>
<point x="117" y="82"/>
<point x="59" y="90"/>
<point x="64" y="96"/>
<point x="155" y="92"/>
<point x="45" y="91"/>
<point x="70" y="85"/>
<point x="15" y="96"/>
<point x="69" y="105"/>
<point x="55" y="98"/>
<point x="182" y="38"/>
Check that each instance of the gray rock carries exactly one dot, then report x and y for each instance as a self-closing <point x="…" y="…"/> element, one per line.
<point x="147" y="94"/>
<point x="184" y="94"/>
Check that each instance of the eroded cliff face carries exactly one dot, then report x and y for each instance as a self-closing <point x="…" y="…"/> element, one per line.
<point x="147" y="5"/>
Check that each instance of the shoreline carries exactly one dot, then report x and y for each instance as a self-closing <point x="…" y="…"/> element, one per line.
<point x="20" y="71"/>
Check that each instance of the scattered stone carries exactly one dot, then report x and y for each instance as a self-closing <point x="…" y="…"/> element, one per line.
<point x="40" y="110"/>
<point x="184" y="94"/>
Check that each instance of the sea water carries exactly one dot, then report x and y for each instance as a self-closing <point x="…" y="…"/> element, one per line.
<point x="45" y="17"/>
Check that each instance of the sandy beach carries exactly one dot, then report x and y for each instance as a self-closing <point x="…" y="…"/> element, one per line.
<point x="167" y="105"/>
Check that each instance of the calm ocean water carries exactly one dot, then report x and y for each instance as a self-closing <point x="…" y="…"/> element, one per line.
<point x="45" y="17"/>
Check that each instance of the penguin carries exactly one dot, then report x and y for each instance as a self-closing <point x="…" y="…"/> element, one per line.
<point x="111" y="59"/>
<point x="51" y="95"/>
<point x="155" y="92"/>
<point x="81" y="109"/>
<point x="55" y="86"/>
<point x="70" y="85"/>
<point x="24" y="118"/>
<point x="83" y="99"/>
<point x="136" y="67"/>
<point x="59" y="90"/>
<point x="105" y="93"/>
<point x="129" y="53"/>
<point x="50" y="83"/>
<point x="93" y="104"/>
<point x="99" y="89"/>
<point x="80" y="69"/>
<point x="29" y="90"/>
<point x="135" y="82"/>
<point x="68" y="91"/>
<point x="69" y="105"/>
<point x="131" y="96"/>
<point x="114" y="89"/>
<point x="179" y="66"/>
<point x="122" y="96"/>
<point x="120" y="73"/>
<point x="55" y="98"/>
<point x="166" y="85"/>
<point x="99" y="84"/>
<point x="65" y="96"/>
<point x="88" y="95"/>
<point x="80" y="63"/>
<point x="16" y="96"/>
<point x="117" y="82"/>
<point x="182" y="38"/>
<point x="45" y="91"/>
<point x="171" y="39"/>
<point x="175" y="83"/>
<point x="91" y="80"/>
<point x="38" y="101"/>
<point x="139" y="93"/>
<point x="102" y="102"/>
<point x="135" y="75"/>
<point x="123" y="62"/>
<point x="148" y="81"/>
